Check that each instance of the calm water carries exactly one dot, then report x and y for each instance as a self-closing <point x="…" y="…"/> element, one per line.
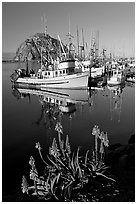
<point x="25" y="122"/>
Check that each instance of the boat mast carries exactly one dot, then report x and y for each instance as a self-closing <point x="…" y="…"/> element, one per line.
<point x="92" y="49"/>
<point x="83" y="44"/>
<point x="86" y="50"/>
<point x="44" y="24"/>
<point x="78" y="41"/>
<point x="41" y="57"/>
<point x="46" y="27"/>
<point x="104" y="56"/>
<point x="69" y="38"/>
<point x="62" y="46"/>
<point x="27" y="67"/>
<point x="97" y="44"/>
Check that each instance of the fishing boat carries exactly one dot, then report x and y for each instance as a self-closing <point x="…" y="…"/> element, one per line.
<point x="117" y="77"/>
<point x="56" y="74"/>
<point x="60" y="73"/>
<point x="64" y="78"/>
<point x="97" y="82"/>
<point x="130" y="79"/>
<point x="97" y="71"/>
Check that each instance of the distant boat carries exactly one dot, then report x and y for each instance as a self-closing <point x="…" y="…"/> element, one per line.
<point x="116" y="78"/>
<point x="130" y="79"/>
<point x="96" y="71"/>
<point x="97" y="82"/>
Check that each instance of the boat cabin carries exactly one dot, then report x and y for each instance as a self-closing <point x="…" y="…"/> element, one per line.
<point x="55" y="73"/>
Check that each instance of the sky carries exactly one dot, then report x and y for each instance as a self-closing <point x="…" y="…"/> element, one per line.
<point x="115" y="22"/>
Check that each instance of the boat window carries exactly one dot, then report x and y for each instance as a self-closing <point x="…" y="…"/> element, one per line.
<point x="46" y="99"/>
<point x="63" y="71"/>
<point x="115" y="72"/>
<point x="56" y="73"/>
<point x="48" y="73"/>
<point x="57" y="101"/>
<point x="60" y="72"/>
<point x="61" y="102"/>
<point x="45" y="73"/>
<point x="70" y="70"/>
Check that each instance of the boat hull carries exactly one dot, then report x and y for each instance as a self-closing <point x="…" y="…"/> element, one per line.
<point x="130" y="79"/>
<point x="115" y="81"/>
<point x="96" y="72"/>
<point x="75" y="81"/>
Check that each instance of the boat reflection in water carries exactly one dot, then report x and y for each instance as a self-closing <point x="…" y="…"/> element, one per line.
<point x="53" y="102"/>
<point x="64" y="99"/>
<point x="116" y="93"/>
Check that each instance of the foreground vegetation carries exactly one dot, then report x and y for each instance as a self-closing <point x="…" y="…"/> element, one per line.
<point x="69" y="176"/>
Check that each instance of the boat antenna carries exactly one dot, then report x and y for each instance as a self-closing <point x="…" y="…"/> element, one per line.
<point x="92" y="54"/>
<point x="78" y="41"/>
<point x="97" y="43"/>
<point x="86" y="45"/>
<point x="69" y="25"/>
<point x="45" y="24"/>
<point x="42" y="23"/>
<point x="83" y="44"/>
<point x="114" y="52"/>
<point x="27" y="67"/>
<point x="69" y="37"/>
<point x="41" y="56"/>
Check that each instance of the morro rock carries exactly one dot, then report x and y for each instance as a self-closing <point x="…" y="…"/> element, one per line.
<point x="31" y="48"/>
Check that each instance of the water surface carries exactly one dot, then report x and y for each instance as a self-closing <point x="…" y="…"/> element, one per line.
<point x="25" y="121"/>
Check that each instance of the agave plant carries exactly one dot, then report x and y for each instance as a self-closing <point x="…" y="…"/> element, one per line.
<point x="96" y="164"/>
<point x="67" y="173"/>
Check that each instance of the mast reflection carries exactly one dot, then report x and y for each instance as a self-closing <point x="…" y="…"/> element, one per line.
<point x="116" y="93"/>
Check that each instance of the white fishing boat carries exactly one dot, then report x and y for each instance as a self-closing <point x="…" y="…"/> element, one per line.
<point x="116" y="78"/>
<point x="56" y="74"/>
<point x="97" y="71"/>
<point x="64" y="78"/>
